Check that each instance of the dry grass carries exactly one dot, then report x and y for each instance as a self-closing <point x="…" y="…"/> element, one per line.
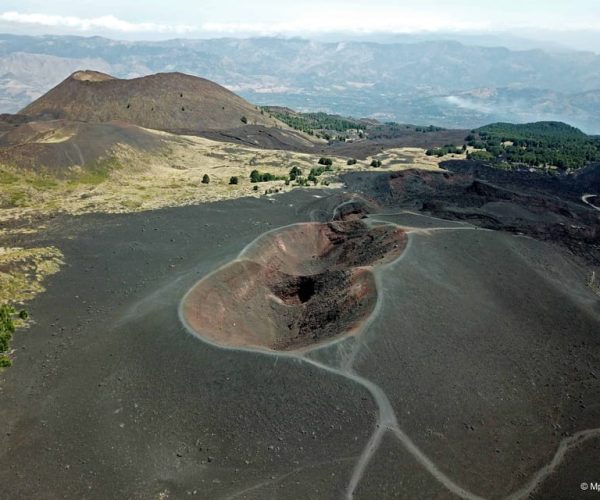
<point x="404" y="158"/>
<point x="136" y="181"/>
<point x="23" y="270"/>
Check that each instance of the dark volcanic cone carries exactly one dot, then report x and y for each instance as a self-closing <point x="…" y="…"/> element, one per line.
<point x="165" y="101"/>
<point x="294" y="287"/>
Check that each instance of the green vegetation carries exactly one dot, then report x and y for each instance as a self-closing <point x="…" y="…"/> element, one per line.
<point x="317" y="172"/>
<point x="480" y="155"/>
<point x="320" y="170"/>
<point x="351" y="161"/>
<point x="541" y="144"/>
<point x="7" y="177"/>
<point x="22" y="188"/>
<point x="234" y="180"/>
<point x="446" y="150"/>
<point x="7" y="328"/>
<point x="339" y="128"/>
<point x="42" y="183"/>
<point x="295" y="172"/>
<point x="376" y="163"/>
<point x="256" y="176"/>
<point x="326" y="161"/>
<point x="95" y="173"/>
<point x="391" y="130"/>
<point x="244" y="120"/>
<point x="311" y="122"/>
<point x="205" y="179"/>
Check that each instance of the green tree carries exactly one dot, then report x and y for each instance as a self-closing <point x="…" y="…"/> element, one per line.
<point x="234" y="180"/>
<point x="205" y="179"/>
<point x="294" y="173"/>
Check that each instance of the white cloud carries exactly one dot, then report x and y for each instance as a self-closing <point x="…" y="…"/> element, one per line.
<point x="89" y="24"/>
<point x="357" y="20"/>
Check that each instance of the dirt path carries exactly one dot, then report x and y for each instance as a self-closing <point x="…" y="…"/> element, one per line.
<point x="586" y="197"/>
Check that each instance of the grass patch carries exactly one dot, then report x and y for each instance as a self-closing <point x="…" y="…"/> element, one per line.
<point x="7" y="177"/>
<point x="21" y="274"/>
<point x="41" y="182"/>
<point x="18" y="198"/>
<point x="22" y="271"/>
<point x="95" y="173"/>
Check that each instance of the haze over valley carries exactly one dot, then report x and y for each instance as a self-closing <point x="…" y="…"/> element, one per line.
<point x="440" y="82"/>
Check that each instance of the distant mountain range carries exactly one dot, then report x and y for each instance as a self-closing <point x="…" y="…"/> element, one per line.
<point x="443" y="83"/>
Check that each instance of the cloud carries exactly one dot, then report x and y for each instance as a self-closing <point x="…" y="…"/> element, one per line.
<point x="354" y="20"/>
<point x="89" y="24"/>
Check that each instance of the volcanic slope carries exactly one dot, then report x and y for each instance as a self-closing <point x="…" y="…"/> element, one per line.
<point x="55" y="146"/>
<point x="472" y="377"/>
<point x="166" y="101"/>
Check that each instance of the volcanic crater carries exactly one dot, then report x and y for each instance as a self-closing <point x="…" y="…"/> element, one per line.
<point x="294" y="287"/>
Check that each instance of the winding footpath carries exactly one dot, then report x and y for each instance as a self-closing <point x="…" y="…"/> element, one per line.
<point x="586" y="197"/>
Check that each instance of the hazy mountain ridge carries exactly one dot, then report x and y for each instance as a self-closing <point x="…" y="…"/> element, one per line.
<point x="445" y="83"/>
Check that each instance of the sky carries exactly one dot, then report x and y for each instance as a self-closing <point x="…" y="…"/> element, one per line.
<point x="573" y="22"/>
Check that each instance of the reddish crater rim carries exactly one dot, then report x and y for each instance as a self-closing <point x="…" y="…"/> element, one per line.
<point x="295" y="287"/>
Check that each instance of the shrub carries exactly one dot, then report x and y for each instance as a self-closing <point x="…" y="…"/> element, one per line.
<point x="205" y="179"/>
<point x="5" y="361"/>
<point x="5" y="338"/>
<point x="480" y="156"/>
<point x="234" y="180"/>
<point x="351" y="161"/>
<point x="325" y="161"/>
<point x="256" y="176"/>
<point x="244" y="120"/>
<point x="6" y="319"/>
<point x="446" y="150"/>
<point x="7" y="328"/>
<point x="376" y="163"/>
<point x="294" y="173"/>
<point x="255" y="188"/>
